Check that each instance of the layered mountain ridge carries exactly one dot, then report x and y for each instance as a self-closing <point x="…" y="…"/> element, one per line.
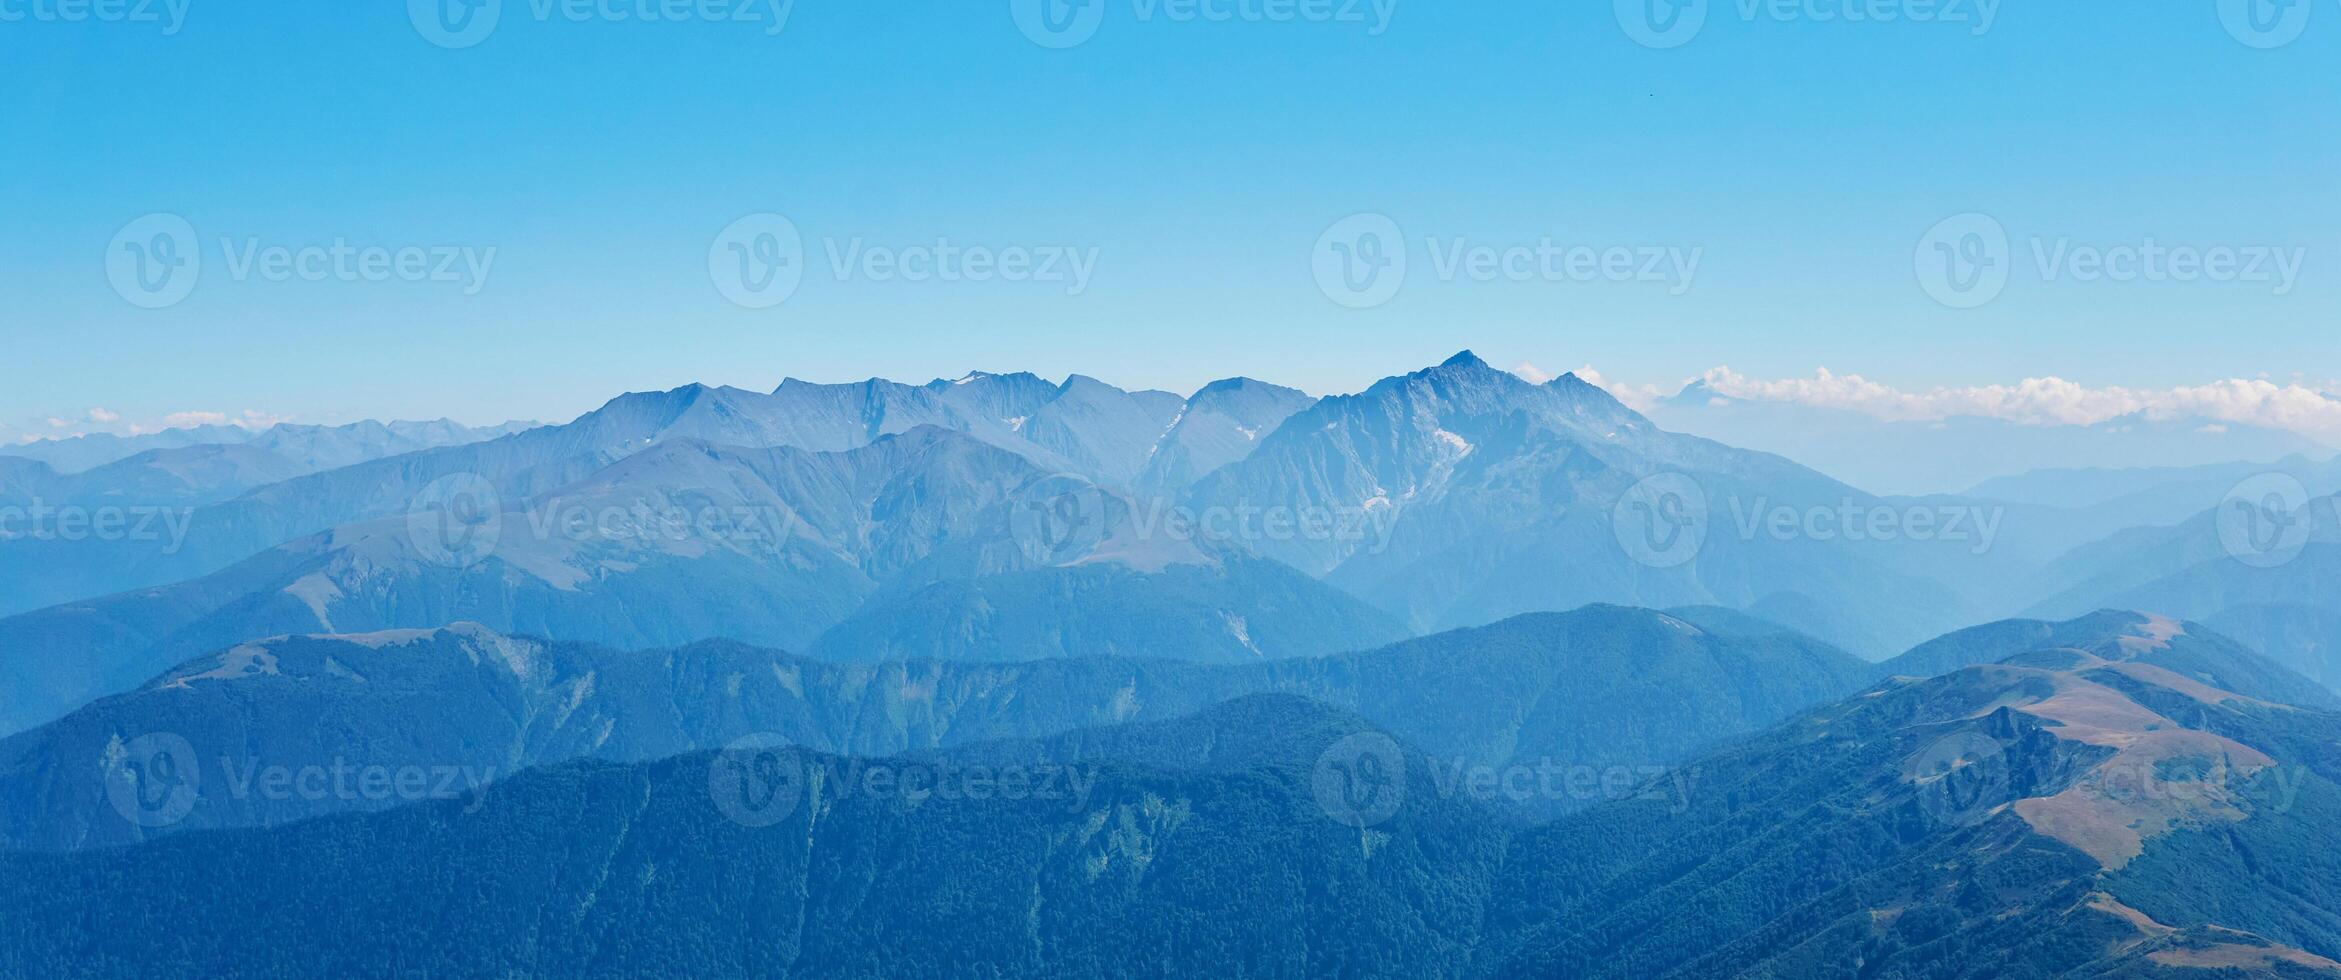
<point x="1599" y="687"/>
<point x="2058" y="813"/>
<point x="1006" y="517"/>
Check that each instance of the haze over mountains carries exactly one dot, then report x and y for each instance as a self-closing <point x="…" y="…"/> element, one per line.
<point x="306" y="448"/>
<point x="1954" y="454"/>
<point x="2099" y="808"/>
<point x="1504" y="497"/>
<point x="151" y="485"/>
<point x="1016" y="493"/>
<point x="2087" y="809"/>
<point x="1552" y="686"/>
<point x="1003" y="517"/>
<point x="2259" y="568"/>
<point x="1384" y="670"/>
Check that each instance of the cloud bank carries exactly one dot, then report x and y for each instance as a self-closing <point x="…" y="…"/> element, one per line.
<point x="2293" y="407"/>
<point x="107" y="421"/>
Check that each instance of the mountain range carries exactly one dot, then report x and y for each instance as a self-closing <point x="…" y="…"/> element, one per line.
<point x="2087" y="809"/>
<point x="285" y="445"/>
<point x="2099" y="807"/>
<point x="1003" y="517"/>
<point x="1932" y="456"/>
<point x="1460" y="675"/>
<point x="686" y="541"/>
<point x="1600" y="687"/>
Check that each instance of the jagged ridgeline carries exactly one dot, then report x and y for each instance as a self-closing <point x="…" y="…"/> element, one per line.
<point x="1001" y="676"/>
<point x="992" y="517"/>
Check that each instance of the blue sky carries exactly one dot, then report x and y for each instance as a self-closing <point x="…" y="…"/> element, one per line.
<point x="1197" y="161"/>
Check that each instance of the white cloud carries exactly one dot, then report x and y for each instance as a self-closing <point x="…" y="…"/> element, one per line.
<point x="104" y="417"/>
<point x="189" y="420"/>
<point x="252" y="419"/>
<point x="57" y="423"/>
<point x="256" y="420"/>
<point x="1637" y="397"/>
<point x="2052" y="401"/>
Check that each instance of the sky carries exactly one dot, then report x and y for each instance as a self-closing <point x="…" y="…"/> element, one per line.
<point x="327" y="212"/>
